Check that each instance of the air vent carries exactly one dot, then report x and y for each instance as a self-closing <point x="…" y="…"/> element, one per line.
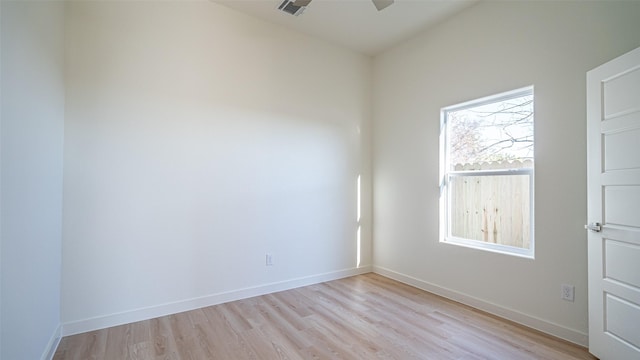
<point x="290" y="7"/>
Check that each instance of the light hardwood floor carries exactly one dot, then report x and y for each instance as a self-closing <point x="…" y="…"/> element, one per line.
<point x="361" y="317"/>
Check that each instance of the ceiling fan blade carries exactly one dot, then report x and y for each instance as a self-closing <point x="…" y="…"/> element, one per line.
<point x="302" y="3"/>
<point x="381" y="4"/>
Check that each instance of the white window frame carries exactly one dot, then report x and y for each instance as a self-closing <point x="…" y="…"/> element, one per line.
<point x="446" y="176"/>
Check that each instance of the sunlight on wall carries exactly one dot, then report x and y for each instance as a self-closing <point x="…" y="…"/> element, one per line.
<point x="358" y="221"/>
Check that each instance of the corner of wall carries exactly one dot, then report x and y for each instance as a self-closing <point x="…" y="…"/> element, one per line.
<point x="53" y="343"/>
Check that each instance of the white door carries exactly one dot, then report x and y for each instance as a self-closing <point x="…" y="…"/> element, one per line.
<point x="613" y="138"/>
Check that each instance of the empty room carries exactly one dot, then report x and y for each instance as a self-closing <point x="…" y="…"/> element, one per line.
<point x="325" y="179"/>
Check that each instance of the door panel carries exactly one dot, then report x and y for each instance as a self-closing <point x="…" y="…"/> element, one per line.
<point x="622" y="205"/>
<point x="613" y="137"/>
<point x="622" y="319"/>
<point x="618" y="255"/>
<point x="619" y="90"/>
<point x="616" y="147"/>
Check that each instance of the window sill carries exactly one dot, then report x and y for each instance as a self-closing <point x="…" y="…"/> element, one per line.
<point x="491" y="247"/>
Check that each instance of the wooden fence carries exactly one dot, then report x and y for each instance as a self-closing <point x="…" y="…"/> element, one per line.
<point x="494" y="209"/>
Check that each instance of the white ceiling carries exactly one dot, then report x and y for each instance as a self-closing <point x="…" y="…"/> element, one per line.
<point x="355" y="24"/>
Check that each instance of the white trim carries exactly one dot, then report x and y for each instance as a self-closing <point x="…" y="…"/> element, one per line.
<point x="101" y="322"/>
<point x="485" y="246"/>
<point x="52" y="346"/>
<point x="571" y="335"/>
<point x="501" y="172"/>
<point x="507" y="95"/>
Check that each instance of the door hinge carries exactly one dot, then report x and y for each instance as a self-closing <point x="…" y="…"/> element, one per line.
<point x="595" y="227"/>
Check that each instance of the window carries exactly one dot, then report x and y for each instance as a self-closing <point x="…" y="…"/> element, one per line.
<point x="486" y="166"/>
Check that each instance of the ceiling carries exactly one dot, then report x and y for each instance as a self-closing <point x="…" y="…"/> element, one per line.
<point x="355" y="24"/>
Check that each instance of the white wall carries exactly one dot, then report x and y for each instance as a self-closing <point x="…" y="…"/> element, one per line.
<point x="197" y="140"/>
<point x="490" y="48"/>
<point x="31" y="149"/>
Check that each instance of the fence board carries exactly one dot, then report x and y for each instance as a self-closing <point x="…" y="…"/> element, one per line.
<point x="494" y="209"/>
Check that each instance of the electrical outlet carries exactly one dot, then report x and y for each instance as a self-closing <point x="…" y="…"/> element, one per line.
<point x="269" y="260"/>
<point x="567" y="292"/>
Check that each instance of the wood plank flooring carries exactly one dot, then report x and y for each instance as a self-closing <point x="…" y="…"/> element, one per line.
<point x="361" y="317"/>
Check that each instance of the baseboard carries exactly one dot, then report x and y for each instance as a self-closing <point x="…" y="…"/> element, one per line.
<point x="50" y="350"/>
<point x="545" y="326"/>
<point x="101" y="322"/>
